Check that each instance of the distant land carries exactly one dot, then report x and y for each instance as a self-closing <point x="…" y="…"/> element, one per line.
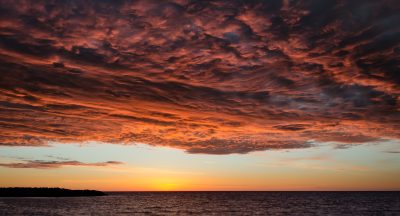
<point x="46" y="192"/>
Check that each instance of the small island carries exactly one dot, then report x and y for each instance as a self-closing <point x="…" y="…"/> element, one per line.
<point x="46" y="192"/>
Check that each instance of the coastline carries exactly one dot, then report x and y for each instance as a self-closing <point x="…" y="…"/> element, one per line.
<point x="47" y="192"/>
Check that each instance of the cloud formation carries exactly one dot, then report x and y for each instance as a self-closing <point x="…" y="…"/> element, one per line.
<point x="212" y="77"/>
<point x="41" y="164"/>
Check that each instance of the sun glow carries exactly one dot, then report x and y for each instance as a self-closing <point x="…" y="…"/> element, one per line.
<point x="166" y="184"/>
<point x="328" y="168"/>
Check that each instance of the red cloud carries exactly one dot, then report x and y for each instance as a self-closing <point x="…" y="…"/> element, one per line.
<point x="207" y="77"/>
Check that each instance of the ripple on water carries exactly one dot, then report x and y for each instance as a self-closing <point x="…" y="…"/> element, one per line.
<point x="210" y="203"/>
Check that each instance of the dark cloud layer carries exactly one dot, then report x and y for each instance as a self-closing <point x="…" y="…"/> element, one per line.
<point x="40" y="164"/>
<point x="204" y="76"/>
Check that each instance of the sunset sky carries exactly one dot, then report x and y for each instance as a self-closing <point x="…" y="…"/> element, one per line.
<point x="200" y="95"/>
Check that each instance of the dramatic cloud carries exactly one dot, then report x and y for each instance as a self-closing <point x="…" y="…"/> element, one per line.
<point x="204" y="76"/>
<point x="40" y="164"/>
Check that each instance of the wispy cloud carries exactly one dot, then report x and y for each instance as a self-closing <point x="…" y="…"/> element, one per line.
<point x="42" y="164"/>
<point x="392" y="152"/>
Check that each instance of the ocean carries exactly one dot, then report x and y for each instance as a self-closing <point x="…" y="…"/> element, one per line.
<point x="209" y="203"/>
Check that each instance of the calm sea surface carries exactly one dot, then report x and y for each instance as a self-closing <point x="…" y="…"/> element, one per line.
<point x="210" y="203"/>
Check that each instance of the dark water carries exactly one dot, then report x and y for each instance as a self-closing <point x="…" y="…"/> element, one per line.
<point x="210" y="203"/>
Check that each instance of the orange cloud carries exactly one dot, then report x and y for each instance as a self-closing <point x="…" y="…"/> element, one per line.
<point x="208" y="77"/>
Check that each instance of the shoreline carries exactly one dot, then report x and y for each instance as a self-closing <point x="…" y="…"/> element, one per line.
<point x="47" y="192"/>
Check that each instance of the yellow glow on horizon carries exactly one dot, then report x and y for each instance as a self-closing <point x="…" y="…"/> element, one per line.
<point x="166" y="187"/>
<point x="166" y="184"/>
<point x="162" y="169"/>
